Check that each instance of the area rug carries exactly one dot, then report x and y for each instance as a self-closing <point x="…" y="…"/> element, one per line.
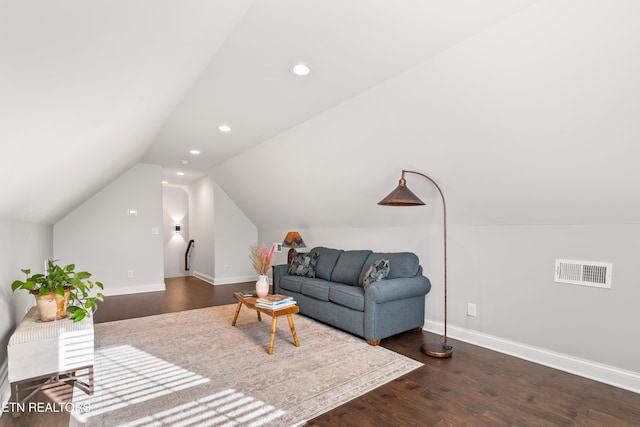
<point x="193" y="368"/>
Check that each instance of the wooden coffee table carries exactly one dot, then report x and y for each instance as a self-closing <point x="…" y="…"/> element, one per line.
<point x="250" y="302"/>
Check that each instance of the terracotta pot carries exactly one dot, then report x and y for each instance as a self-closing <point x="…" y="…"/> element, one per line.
<point x="52" y="306"/>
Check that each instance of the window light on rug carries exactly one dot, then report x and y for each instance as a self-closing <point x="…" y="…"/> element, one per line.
<point x="149" y="377"/>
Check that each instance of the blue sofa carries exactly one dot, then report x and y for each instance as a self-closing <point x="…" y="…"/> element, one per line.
<point x="331" y="290"/>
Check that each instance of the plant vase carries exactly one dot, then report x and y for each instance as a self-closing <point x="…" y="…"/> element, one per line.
<point x="262" y="286"/>
<point x="52" y="306"/>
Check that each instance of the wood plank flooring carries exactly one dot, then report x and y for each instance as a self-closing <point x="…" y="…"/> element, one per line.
<point x="476" y="387"/>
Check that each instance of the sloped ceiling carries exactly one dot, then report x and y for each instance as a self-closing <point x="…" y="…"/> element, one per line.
<point x="524" y="111"/>
<point x="88" y="89"/>
<point x="85" y="86"/>
<point x="532" y="121"/>
<point x="351" y="46"/>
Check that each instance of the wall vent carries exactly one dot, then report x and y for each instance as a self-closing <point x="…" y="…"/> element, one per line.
<point x="587" y="273"/>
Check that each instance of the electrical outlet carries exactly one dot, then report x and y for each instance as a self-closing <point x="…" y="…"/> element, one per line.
<point x="471" y="309"/>
<point x="130" y="273"/>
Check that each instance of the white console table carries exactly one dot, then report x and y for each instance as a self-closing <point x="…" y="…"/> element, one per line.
<point x="44" y="354"/>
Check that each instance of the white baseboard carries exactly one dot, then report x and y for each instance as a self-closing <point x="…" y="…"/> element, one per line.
<point x="204" y="277"/>
<point x="236" y="279"/>
<point x="224" y="280"/>
<point x="617" y="377"/>
<point x="153" y="287"/>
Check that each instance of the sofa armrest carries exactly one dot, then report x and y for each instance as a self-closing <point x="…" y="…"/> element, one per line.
<point x="278" y="272"/>
<point x="395" y="289"/>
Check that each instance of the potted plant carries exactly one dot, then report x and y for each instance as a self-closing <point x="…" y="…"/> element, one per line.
<point x="61" y="290"/>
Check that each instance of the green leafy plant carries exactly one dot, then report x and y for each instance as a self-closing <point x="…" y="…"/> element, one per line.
<point x="59" y="279"/>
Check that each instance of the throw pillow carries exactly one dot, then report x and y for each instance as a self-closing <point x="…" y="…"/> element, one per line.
<point x="304" y="264"/>
<point x="379" y="270"/>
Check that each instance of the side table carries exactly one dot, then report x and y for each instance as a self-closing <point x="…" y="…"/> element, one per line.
<point x="250" y="302"/>
<point x="44" y="354"/>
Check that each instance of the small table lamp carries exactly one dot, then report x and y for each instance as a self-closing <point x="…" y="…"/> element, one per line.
<point x="293" y="240"/>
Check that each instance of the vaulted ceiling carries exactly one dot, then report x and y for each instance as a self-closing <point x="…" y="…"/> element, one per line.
<point x="350" y="46"/>
<point x="504" y="101"/>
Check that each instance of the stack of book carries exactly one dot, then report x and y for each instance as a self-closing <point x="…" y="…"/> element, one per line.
<point x="274" y="302"/>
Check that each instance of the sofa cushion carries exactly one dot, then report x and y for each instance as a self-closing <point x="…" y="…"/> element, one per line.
<point x="293" y="283"/>
<point x="347" y="296"/>
<point x="377" y="271"/>
<point x="401" y="264"/>
<point x="327" y="259"/>
<point x="318" y="289"/>
<point x="349" y="267"/>
<point x="304" y="264"/>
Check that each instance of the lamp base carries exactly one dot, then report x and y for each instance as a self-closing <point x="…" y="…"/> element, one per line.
<point x="437" y="349"/>
<point x="292" y="252"/>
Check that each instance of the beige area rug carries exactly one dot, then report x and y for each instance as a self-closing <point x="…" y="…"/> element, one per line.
<point x="194" y="369"/>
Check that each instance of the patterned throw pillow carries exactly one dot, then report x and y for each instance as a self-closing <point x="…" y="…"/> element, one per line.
<point x="379" y="270"/>
<point x="304" y="264"/>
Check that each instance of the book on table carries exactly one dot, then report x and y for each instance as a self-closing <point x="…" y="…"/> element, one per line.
<point x="275" y="301"/>
<point x="275" y="306"/>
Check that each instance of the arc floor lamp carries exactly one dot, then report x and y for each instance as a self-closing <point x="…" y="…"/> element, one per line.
<point x="402" y="196"/>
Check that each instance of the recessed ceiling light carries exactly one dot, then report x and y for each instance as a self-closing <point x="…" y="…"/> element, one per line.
<point x="195" y="152"/>
<point x="300" y="69"/>
<point x="224" y="128"/>
<point x="165" y="182"/>
<point x="180" y="173"/>
<point x="184" y="162"/>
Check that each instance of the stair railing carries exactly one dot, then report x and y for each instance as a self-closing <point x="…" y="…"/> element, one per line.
<point x="187" y="255"/>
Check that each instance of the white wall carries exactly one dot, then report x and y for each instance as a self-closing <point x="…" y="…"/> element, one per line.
<point x="201" y="228"/>
<point x="234" y="234"/>
<point x="508" y="272"/>
<point x="100" y="237"/>
<point x="222" y="234"/>
<point x="23" y="246"/>
<point x="175" y="205"/>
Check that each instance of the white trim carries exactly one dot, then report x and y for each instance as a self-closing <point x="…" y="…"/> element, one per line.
<point x="237" y="279"/>
<point x="611" y="375"/>
<point x="224" y="280"/>
<point x="204" y="277"/>
<point x="153" y="287"/>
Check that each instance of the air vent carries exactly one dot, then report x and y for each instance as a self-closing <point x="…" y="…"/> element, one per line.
<point x="587" y="273"/>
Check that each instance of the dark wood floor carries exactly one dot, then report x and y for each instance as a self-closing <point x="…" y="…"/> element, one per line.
<point x="476" y="387"/>
<point x="182" y="293"/>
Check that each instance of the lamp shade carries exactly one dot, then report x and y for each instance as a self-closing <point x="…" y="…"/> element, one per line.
<point x="401" y="196"/>
<point x="293" y="240"/>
